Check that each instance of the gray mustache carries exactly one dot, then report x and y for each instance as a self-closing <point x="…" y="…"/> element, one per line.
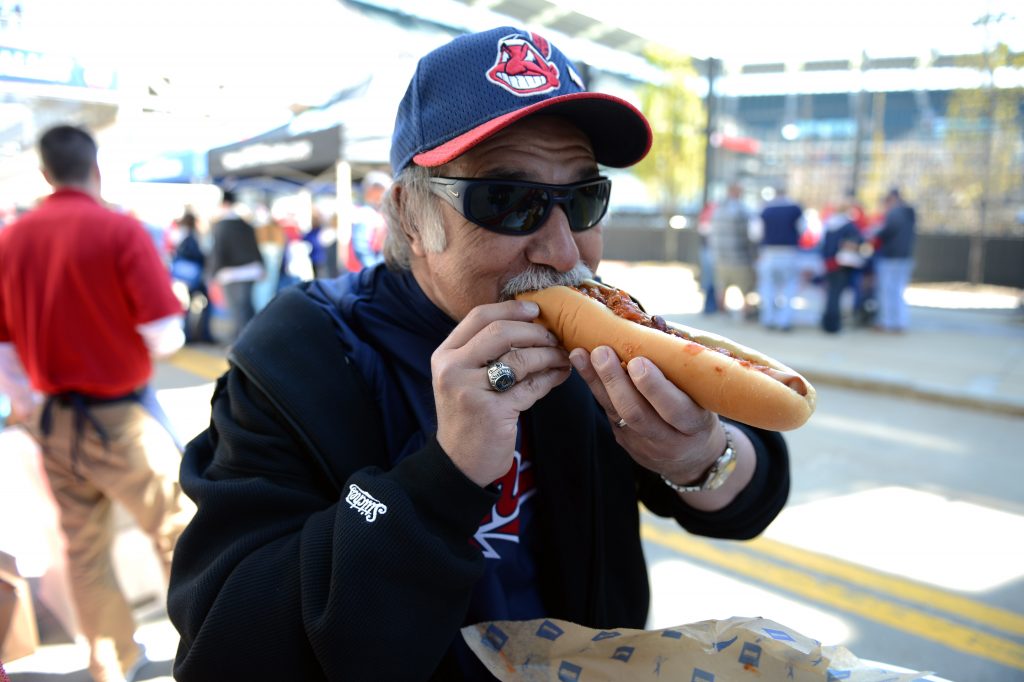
<point x="541" y="277"/>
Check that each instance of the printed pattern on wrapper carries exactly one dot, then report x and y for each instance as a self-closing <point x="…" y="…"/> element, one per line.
<point x="708" y="651"/>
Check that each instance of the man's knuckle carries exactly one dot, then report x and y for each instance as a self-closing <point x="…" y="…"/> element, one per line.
<point x="634" y="415"/>
<point x="476" y="313"/>
<point x="519" y="359"/>
<point x="442" y="374"/>
<point x="495" y="330"/>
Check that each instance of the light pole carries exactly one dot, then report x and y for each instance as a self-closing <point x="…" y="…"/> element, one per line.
<point x="712" y="123"/>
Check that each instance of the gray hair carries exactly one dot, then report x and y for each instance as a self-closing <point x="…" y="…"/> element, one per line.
<point x="409" y="206"/>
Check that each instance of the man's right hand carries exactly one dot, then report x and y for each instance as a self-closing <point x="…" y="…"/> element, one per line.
<point x="477" y="425"/>
<point x="21" y="412"/>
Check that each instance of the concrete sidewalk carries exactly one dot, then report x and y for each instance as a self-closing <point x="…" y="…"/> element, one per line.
<point x="964" y="357"/>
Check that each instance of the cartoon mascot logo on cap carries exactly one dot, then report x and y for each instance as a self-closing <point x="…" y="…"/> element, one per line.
<point x="524" y="67"/>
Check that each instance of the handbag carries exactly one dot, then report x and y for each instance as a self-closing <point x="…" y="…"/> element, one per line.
<point x="187" y="271"/>
<point x="849" y="255"/>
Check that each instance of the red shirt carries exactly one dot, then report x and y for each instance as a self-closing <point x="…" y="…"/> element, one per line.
<point x="75" y="280"/>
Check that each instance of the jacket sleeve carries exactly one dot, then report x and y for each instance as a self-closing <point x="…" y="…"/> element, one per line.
<point x="283" y="570"/>
<point x="749" y="514"/>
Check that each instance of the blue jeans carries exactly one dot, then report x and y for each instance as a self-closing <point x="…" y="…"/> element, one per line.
<point x="835" y="282"/>
<point x="893" y="276"/>
<point x="707" y="279"/>
<point x="238" y="296"/>
<point x="778" y="279"/>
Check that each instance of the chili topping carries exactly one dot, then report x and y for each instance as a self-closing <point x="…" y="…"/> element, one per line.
<point x="623" y="305"/>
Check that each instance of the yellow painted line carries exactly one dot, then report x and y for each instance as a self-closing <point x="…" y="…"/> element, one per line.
<point x="201" y="364"/>
<point x="906" y="619"/>
<point x="999" y="619"/>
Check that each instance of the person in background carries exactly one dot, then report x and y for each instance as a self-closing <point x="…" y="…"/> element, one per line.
<point x="707" y="260"/>
<point x="368" y="225"/>
<point x="862" y="279"/>
<point x="399" y="452"/>
<point x="313" y="238"/>
<point x="778" y="264"/>
<point x="841" y="252"/>
<point x="329" y="237"/>
<point x="236" y="263"/>
<point x="272" y="242"/>
<point x="733" y="251"/>
<point x="85" y="304"/>
<point x="189" y="267"/>
<point x="894" y="244"/>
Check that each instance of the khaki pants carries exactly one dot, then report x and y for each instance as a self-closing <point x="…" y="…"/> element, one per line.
<point x="138" y="468"/>
<point x="727" y="275"/>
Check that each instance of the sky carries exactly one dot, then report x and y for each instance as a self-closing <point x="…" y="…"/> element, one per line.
<point x="745" y="30"/>
<point x="272" y="54"/>
<point x="753" y="31"/>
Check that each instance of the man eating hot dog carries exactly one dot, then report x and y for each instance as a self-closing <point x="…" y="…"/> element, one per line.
<point x="400" y="452"/>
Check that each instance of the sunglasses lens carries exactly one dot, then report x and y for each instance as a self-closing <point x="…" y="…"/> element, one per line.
<point x="506" y="208"/>
<point x="587" y="205"/>
<point x="518" y="208"/>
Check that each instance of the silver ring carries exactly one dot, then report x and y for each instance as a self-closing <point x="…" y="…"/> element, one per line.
<point x="501" y="376"/>
<point x="621" y="423"/>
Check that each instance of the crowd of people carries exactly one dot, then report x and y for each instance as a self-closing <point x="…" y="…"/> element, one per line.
<point x="755" y="263"/>
<point x="239" y="262"/>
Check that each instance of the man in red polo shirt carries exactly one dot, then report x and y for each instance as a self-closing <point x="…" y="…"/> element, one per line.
<point x="85" y="303"/>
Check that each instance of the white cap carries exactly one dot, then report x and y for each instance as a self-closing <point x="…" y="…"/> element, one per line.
<point x="378" y="178"/>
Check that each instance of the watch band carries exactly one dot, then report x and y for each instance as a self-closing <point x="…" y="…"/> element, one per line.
<point x="716" y="474"/>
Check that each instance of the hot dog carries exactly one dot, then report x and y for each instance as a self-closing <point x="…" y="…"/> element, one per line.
<point x="718" y="374"/>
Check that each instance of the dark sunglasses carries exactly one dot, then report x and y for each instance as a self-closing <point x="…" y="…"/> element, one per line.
<point x="514" y="207"/>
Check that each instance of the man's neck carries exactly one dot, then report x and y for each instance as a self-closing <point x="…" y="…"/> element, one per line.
<point x="90" y="188"/>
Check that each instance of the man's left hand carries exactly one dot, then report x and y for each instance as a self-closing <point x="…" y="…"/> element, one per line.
<point x="662" y="428"/>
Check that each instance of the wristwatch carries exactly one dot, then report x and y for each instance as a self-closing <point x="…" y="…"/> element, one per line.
<point x="716" y="475"/>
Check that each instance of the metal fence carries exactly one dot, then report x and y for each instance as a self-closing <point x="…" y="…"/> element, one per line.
<point x="938" y="258"/>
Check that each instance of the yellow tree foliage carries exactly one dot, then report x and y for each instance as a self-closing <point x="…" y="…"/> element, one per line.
<point x="674" y="169"/>
<point x="983" y="127"/>
<point x="983" y="136"/>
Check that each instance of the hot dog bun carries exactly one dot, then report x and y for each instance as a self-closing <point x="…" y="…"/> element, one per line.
<point x="720" y="375"/>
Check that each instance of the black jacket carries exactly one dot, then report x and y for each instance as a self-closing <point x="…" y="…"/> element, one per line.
<point x="896" y="238"/>
<point x="234" y="244"/>
<point x="278" y="572"/>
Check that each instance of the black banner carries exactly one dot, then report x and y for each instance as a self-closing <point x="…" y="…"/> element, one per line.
<point x="308" y="153"/>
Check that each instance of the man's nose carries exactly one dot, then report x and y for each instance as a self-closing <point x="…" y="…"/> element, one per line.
<point x="553" y="244"/>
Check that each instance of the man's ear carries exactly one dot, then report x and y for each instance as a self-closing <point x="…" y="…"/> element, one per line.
<point x="415" y="242"/>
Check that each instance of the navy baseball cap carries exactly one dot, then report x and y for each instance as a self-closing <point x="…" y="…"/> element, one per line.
<point x="480" y="83"/>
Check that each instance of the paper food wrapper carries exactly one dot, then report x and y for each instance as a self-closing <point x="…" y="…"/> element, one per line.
<point x="742" y="649"/>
